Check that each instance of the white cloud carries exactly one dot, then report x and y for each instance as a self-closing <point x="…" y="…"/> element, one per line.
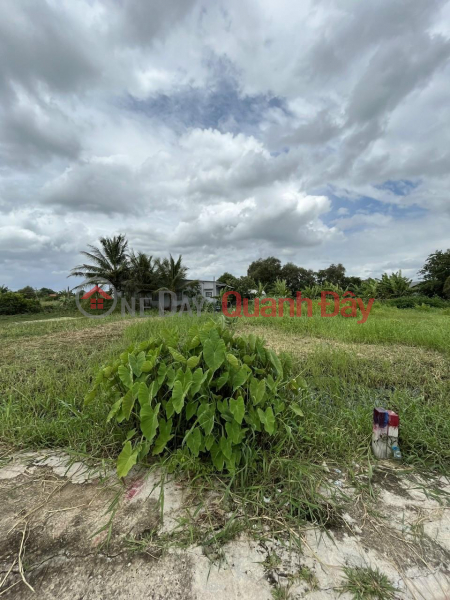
<point x="225" y="131"/>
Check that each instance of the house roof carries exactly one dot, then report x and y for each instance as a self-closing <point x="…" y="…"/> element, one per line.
<point x="207" y="281"/>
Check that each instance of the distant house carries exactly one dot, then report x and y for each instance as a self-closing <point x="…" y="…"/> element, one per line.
<point x="209" y="289"/>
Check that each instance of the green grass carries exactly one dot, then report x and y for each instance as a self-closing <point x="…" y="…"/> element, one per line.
<point x="385" y="325"/>
<point x="365" y="583"/>
<point x="47" y="368"/>
<point x="399" y="359"/>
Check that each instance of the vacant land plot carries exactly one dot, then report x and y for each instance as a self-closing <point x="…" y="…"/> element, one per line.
<point x="325" y="478"/>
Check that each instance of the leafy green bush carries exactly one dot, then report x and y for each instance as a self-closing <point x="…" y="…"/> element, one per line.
<point x="416" y="301"/>
<point x="394" y="285"/>
<point x="213" y="394"/>
<point x="13" y="303"/>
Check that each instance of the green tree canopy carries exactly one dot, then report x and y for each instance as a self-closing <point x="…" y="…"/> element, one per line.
<point x="297" y="278"/>
<point x="435" y="271"/>
<point x="27" y="291"/>
<point x="335" y="274"/>
<point x="228" y="279"/>
<point x="46" y="291"/>
<point x="245" y="286"/>
<point x="266" y="270"/>
<point x="446" y="289"/>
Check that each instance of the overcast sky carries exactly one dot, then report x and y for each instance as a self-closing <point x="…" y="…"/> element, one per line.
<point x="315" y="131"/>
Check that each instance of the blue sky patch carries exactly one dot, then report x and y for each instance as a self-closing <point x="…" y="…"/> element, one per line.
<point x="400" y="187"/>
<point x="219" y="106"/>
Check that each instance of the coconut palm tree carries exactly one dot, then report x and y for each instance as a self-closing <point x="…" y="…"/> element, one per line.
<point x="109" y="262"/>
<point x="172" y="276"/>
<point x="4" y="289"/>
<point x="142" y="274"/>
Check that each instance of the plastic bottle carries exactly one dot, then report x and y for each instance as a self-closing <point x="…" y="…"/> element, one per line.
<point x="396" y="454"/>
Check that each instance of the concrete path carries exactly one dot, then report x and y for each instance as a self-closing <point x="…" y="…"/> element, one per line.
<point x="58" y="540"/>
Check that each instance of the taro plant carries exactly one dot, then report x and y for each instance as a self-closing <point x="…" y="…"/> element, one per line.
<point x="211" y="395"/>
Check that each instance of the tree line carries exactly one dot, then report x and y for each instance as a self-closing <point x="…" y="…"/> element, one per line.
<point x="269" y="276"/>
<point x="133" y="272"/>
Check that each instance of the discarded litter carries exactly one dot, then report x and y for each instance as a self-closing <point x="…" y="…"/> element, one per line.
<point x="385" y="434"/>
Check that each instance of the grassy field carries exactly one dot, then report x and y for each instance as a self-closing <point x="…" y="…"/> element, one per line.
<point x="399" y="359"/>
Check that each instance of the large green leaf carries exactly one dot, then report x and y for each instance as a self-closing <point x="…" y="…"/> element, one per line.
<point x="205" y="415"/>
<point x="143" y="395"/>
<point x="136" y="363"/>
<point x="217" y="456"/>
<point x="267" y="419"/>
<point x="209" y="441"/>
<point x="239" y="378"/>
<point x="177" y="356"/>
<point x="148" y="364"/>
<point x="194" y="342"/>
<point x="149" y="421"/>
<point x="114" y="409"/>
<point x="198" y="378"/>
<point x="177" y="396"/>
<point x="125" y="376"/>
<point x="127" y="459"/>
<point x="169" y="409"/>
<point x="257" y="390"/>
<point x="165" y="435"/>
<point x="226" y="447"/>
<point x="194" y="441"/>
<point x="276" y="363"/>
<point x="234" y="362"/>
<point x="193" y="361"/>
<point x="208" y="332"/>
<point x="233" y="432"/>
<point x="191" y="409"/>
<point x="128" y="403"/>
<point x="185" y="377"/>
<point x="221" y="381"/>
<point x="249" y="359"/>
<point x="296" y="408"/>
<point x="214" y="353"/>
<point x="162" y="372"/>
<point x="237" y="409"/>
<point x="171" y="375"/>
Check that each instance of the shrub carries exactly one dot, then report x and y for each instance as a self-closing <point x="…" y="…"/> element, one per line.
<point x="446" y="290"/>
<point x="13" y="303"/>
<point x="213" y="394"/>
<point x="416" y="301"/>
<point x="394" y="286"/>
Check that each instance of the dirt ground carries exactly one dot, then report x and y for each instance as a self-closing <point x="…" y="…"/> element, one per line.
<point x="56" y="542"/>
